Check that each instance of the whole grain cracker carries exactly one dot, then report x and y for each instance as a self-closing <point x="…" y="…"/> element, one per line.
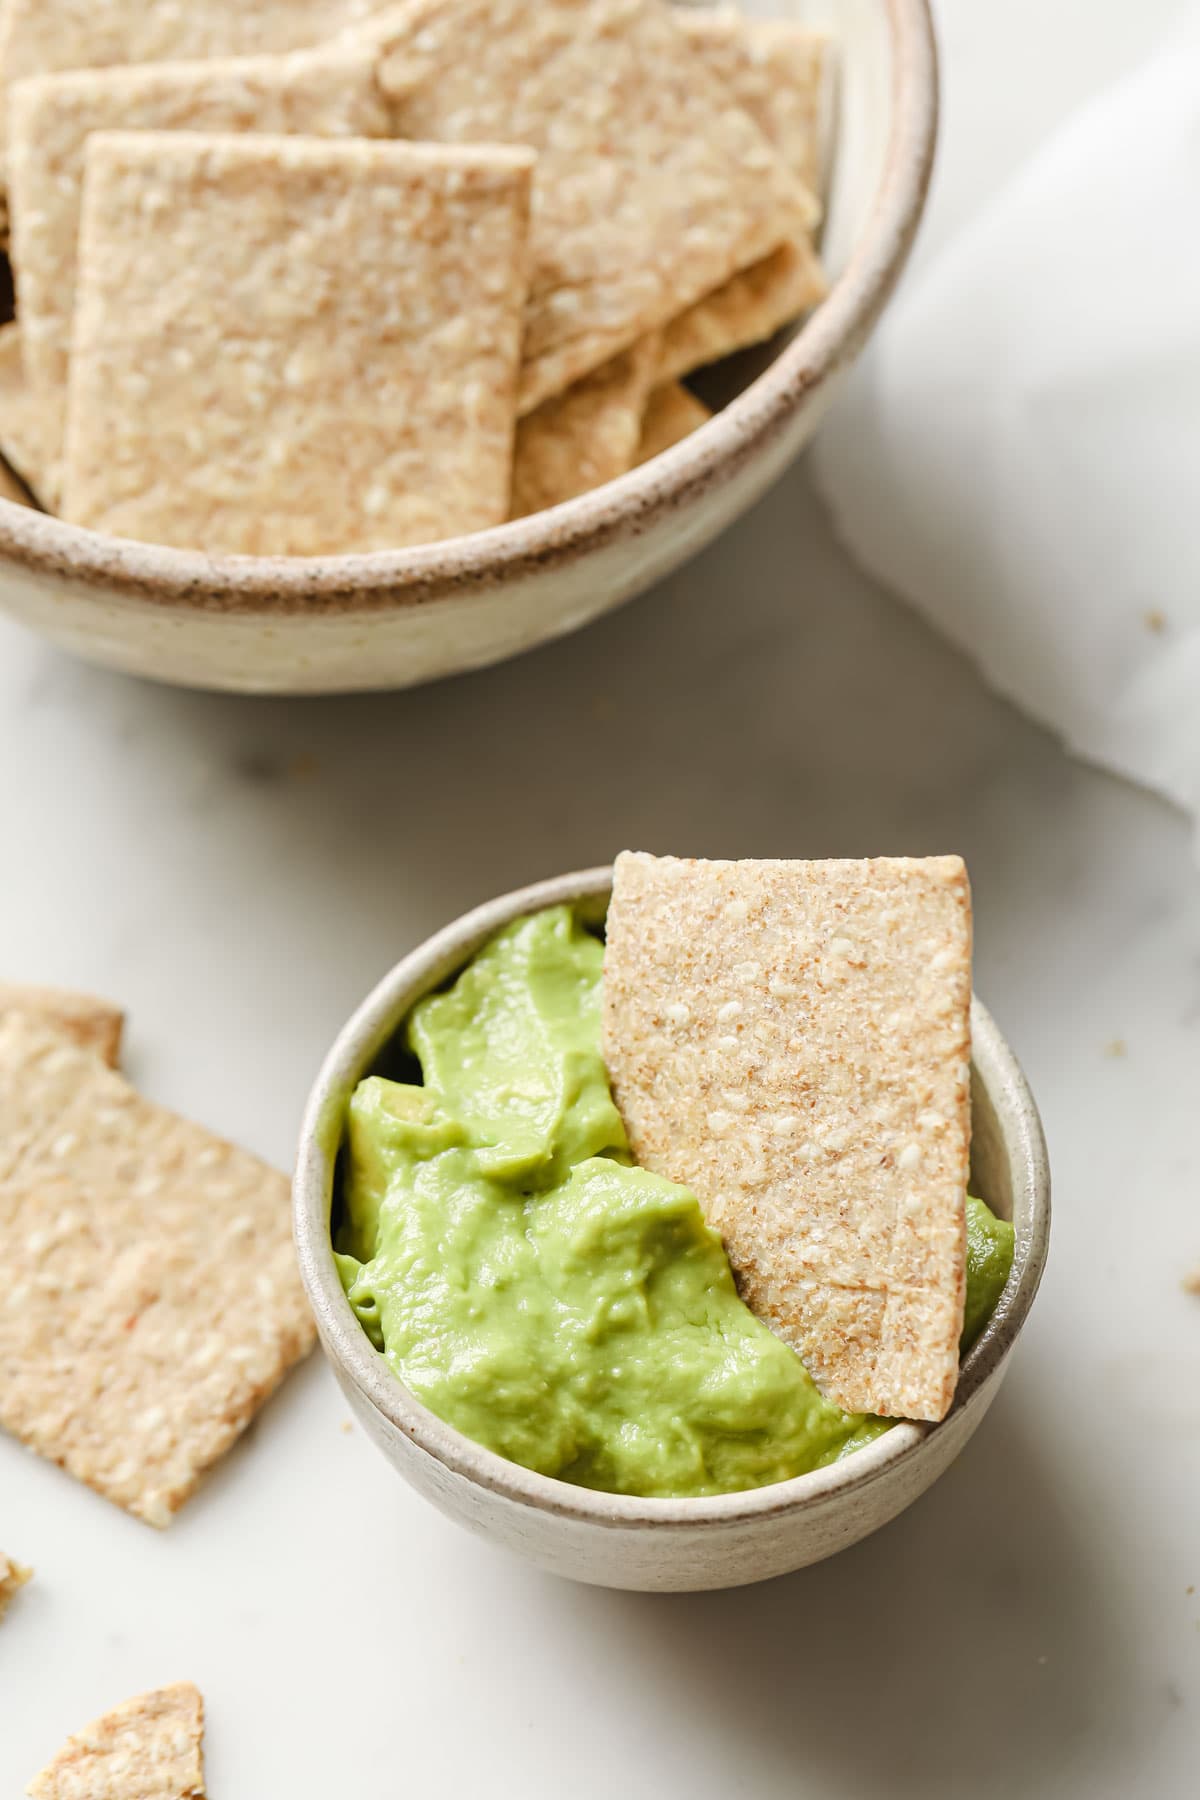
<point x="295" y="346"/>
<point x="88" y="1021"/>
<point x="42" y="37"/>
<point x="152" y="1300"/>
<point x="652" y="185"/>
<point x="22" y="440"/>
<point x="149" y="1748"/>
<point x="672" y="413"/>
<point x="792" y="1041"/>
<point x="13" y="1575"/>
<point x="585" y="436"/>
<point x="780" y="73"/>
<point x="748" y="309"/>
<point x="324" y="93"/>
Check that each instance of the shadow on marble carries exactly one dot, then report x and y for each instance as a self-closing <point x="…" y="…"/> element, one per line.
<point x="961" y="1651"/>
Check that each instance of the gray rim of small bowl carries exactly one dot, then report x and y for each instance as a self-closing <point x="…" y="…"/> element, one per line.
<point x="373" y="581"/>
<point x="353" y="1054"/>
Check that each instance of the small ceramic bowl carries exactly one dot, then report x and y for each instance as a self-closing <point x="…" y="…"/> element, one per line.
<point x="612" y="1539"/>
<point x="393" y="618"/>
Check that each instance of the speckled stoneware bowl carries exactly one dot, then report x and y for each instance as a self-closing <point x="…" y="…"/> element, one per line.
<point x="611" y="1539"/>
<point x="389" y="619"/>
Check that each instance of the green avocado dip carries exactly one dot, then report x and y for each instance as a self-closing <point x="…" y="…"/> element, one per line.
<point x="538" y="1291"/>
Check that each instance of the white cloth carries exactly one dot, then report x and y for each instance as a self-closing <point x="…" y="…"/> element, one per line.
<point x="1019" y="452"/>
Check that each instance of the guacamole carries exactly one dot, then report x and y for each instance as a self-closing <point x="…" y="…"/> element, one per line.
<point x="538" y="1291"/>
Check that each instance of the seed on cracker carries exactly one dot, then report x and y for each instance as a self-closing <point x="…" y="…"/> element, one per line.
<point x="22" y="440"/>
<point x="150" y="1748"/>
<point x="295" y="346"/>
<point x="652" y="185"/>
<point x="92" y="1023"/>
<point x="672" y="414"/>
<point x="780" y="73"/>
<point x="13" y="1575"/>
<point x="585" y="436"/>
<point x="325" y="93"/>
<point x="792" y="1041"/>
<point x="40" y="37"/>
<point x="152" y="1302"/>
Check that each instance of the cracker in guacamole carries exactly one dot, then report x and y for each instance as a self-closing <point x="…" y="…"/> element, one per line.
<point x="537" y="1290"/>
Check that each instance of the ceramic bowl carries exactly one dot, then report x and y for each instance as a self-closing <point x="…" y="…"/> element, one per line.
<point x="389" y="619"/>
<point x="611" y="1539"/>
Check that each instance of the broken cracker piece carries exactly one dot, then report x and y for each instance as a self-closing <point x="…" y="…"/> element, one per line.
<point x="325" y="93"/>
<point x="780" y="73"/>
<point x="1191" y="1283"/>
<point x="152" y="1298"/>
<point x="21" y="437"/>
<point x="672" y="414"/>
<point x="585" y="436"/>
<point x="295" y="346"/>
<point x="792" y="1041"/>
<point x="90" y="1022"/>
<point x="652" y="185"/>
<point x="13" y="1575"/>
<point x="149" y="1748"/>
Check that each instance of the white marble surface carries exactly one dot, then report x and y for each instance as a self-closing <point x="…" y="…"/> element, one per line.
<point x="240" y="872"/>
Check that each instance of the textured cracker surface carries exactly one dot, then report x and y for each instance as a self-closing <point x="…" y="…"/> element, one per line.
<point x="39" y="37"/>
<point x="672" y="413"/>
<point x="747" y="309"/>
<point x="326" y="93"/>
<point x="22" y="440"/>
<point x="147" y="1749"/>
<point x="652" y="185"/>
<point x="295" y="346"/>
<point x="13" y="1575"/>
<point x="778" y="72"/>
<point x="585" y="436"/>
<point x="792" y="1041"/>
<point x="152" y="1301"/>
<point x="93" y="1023"/>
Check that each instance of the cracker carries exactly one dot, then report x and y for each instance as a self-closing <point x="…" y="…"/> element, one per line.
<point x="22" y="441"/>
<point x="792" y="1041"/>
<point x="326" y="93"/>
<point x="585" y="436"/>
<point x="746" y="310"/>
<point x="92" y="1023"/>
<point x="295" y="346"/>
<point x="147" y="1749"/>
<point x="780" y="73"/>
<point x="13" y="1575"/>
<point x="672" y="413"/>
<point x="152" y="1298"/>
<point x="652" y="186"/>
<point x="41" y="37"/>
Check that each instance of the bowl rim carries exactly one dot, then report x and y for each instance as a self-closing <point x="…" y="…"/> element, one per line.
<point x="191" y="581"/>
<point x="348" y="1347"/>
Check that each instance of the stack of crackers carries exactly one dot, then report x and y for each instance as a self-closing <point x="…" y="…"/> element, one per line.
<point x="319" y="276"/>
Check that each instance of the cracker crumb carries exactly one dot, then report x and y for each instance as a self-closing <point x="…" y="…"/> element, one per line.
<point x="13" y="1575"/>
